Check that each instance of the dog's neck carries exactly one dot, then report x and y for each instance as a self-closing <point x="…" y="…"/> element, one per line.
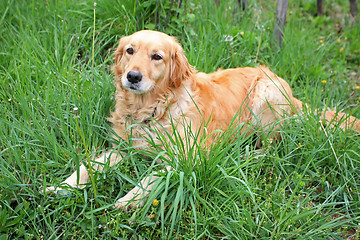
<point x="141" y="108"/>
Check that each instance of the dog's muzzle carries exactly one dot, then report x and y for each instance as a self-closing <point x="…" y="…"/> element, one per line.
<point x="136" y="82"/>
<point x="134" y="77"/>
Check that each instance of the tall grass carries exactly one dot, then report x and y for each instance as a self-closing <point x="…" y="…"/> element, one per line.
<point x="56" y="86"/>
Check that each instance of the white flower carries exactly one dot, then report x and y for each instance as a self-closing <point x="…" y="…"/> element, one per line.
<point x="228" y="38"/>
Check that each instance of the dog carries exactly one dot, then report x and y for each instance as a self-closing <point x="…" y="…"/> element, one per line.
<point x="157" y="87"/>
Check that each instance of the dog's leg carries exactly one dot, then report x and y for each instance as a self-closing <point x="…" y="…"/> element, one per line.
<point x="136" y="197"/>
<point x="83" y="173"/>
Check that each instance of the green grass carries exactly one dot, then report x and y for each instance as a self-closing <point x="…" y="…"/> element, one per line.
<point x="55" y="72"/>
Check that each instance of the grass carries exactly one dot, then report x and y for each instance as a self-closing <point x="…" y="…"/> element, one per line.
<point x="56" y="87"/>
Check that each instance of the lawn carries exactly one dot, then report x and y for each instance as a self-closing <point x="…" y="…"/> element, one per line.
<point x="56" y="90"/>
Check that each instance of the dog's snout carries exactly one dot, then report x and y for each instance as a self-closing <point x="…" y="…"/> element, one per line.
<point x="134" y="76"/>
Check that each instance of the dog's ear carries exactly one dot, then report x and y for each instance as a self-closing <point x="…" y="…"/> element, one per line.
<point x="180" y="67"/>
<point x="119" y="54"/>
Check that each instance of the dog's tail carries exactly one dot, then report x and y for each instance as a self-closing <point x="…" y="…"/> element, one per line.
<point x="343" y="120"/>
<point x="333" y="118"/>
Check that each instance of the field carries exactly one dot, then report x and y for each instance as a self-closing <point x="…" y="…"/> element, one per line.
<point x="56" y="90"/>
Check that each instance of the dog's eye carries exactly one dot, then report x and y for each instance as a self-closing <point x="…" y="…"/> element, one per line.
<point x="156" y="57"/>
<point x="130" y="51"/>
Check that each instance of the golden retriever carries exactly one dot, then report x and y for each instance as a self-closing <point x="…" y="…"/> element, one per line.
<point x="156" y="86"/>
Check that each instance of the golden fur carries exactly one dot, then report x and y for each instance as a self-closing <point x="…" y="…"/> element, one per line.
<point x="155" y="85"/>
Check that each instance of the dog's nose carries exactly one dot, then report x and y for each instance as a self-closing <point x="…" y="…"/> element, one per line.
<point x="134" y="76"/>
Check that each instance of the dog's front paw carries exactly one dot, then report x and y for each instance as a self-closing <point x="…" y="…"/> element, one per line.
<point x="129" y="202"/>
<point x="51" y="189"/>
<point x="57" y="190"/>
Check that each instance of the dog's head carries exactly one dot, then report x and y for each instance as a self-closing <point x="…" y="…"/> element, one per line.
<point x="147" y="60"/>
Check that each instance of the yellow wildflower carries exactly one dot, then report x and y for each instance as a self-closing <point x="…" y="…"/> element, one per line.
<point x="345" y="38"/>
<point x="321" y="40"/>
<point x="357" y="87"/>
<point x="341" y="49"/>
<point x="241" y="33"/>
<point x="323" y="81"/>
<point x="339" y="40"/>
<point x="299" y="144"/>
<point x="155" y="202"/>
<point x="356" y="51"/>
